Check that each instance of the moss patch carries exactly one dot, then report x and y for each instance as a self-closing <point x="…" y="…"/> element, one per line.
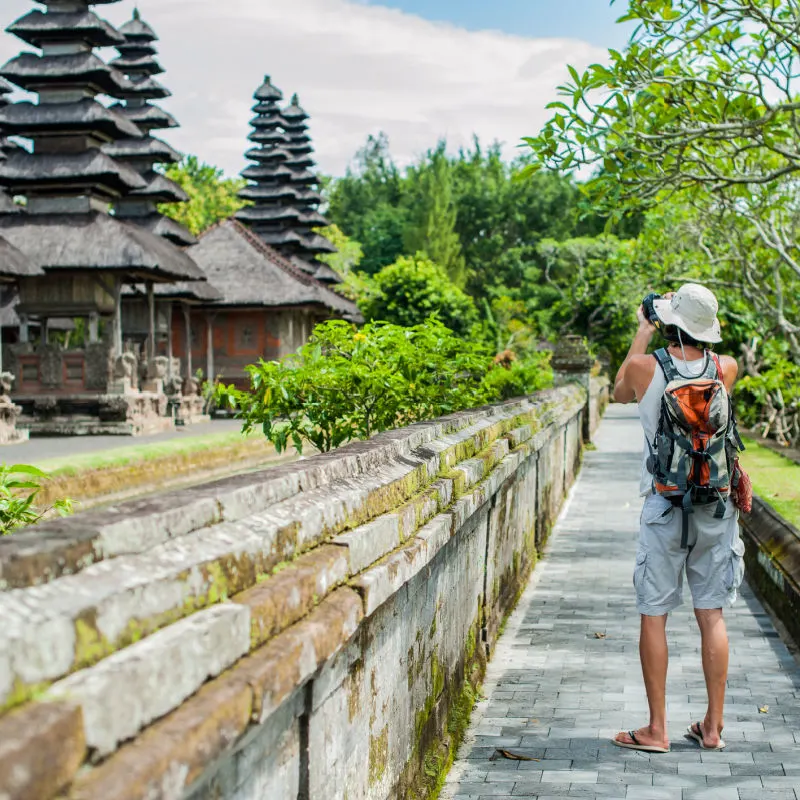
<point x="378" y="756"/>
<point x="775" y="479"/>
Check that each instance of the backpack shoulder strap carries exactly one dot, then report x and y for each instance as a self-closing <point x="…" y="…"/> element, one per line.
<point x="718" y="365"/>
<point x="665" y="362"/>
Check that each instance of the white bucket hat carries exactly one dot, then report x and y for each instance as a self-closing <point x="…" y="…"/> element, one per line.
<point x="693" y="309"/>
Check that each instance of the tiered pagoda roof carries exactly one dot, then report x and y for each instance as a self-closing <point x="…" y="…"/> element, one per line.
<point x="281" y="184"/>
<point x="137" y="60"/>
<point x="6" y="147"/>
<point x="13" y="264"/>
<point x="68" y="179"/>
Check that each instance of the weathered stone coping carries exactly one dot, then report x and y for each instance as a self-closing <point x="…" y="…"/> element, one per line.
<point x="772" y="556"/>
<point x="258" y="580"/>
<point x="67" y="546"/>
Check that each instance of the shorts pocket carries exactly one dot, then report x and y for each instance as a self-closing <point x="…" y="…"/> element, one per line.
<point x="736" y="569"/>
<point x="639" y="570"/>
<point x="657" y="510"/>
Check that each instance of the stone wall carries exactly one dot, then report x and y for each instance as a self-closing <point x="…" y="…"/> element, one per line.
<point x="316" y="630"/>
<point x="772" y="558"/>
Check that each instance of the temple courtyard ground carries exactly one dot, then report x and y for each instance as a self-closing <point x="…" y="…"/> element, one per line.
<point x="565" y="676"/>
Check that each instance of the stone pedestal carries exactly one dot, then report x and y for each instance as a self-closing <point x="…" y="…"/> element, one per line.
<point x="572" y="363"/>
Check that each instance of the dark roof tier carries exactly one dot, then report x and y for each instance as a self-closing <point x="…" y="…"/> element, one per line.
<point x="300" y="148"/>
<point x="252" y="214"/>
<point x="160" y="189"/>
<point x="315" y="243"/>
<point x="268" y="121"/>
<point x="147" y="89"/>
<point x="26" y="172"/>
<point x="302" y="162"/>
<point x="269" y="138"/>
<point x="14" y="264"/>
<point x="266" y="173"/>
<point x="304" y="177"/>
<point x="146" y="117"/>
<point x="159" y="225"/>
<point x="269" y="109"/>
<point x="37" y="28"/>
<point x="267" y="92"/>
<point x="264" y="154"/>
<point x="266" y="193"/>
<point x="137" y="29"/>
<point x="325" y="274"/>
<point x="294" y="113"/>
<point x="131" y="48"/>
<point x="148" y="150"/>
<point x="315" y="219"/>
<point x="33" y="72"/>
<point x="141" y="64"/>
<point x="279" y="238"/>
<point x="250" y="273"/>
<point x="81" y="117"/>
<point x="96" y="241"/>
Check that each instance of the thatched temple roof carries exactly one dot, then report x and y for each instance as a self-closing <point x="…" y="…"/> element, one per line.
<point x="250" y="273"/>
<point x="96" y="241"/>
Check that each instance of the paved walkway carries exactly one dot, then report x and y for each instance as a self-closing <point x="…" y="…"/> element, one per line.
<point x="556" y="692"/>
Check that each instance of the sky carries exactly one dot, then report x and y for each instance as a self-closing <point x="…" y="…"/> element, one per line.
<point x="419" y="70"/>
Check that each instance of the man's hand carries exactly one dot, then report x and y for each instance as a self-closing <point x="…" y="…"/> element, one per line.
<point x="644" y="323"/>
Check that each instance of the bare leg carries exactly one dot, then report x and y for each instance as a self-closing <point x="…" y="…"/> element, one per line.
<point x="654" y="655"/>
<point x="715" y="668"/>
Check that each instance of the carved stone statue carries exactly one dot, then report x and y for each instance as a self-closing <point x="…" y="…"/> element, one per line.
<point x="125" y="366"/>
<point x="6" y="384"/>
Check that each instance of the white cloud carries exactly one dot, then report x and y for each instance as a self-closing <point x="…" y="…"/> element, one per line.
<point x="358" y="69"/>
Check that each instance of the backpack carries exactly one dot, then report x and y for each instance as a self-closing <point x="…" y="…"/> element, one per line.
<point x="693" y="459"/>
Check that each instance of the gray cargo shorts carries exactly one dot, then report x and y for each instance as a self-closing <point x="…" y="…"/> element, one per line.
<point x="714" y="562"/>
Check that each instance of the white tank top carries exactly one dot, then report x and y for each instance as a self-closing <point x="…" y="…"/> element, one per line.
<point x="650" y="405"/>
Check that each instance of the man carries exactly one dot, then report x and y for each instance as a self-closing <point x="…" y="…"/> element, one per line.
<point x="712" y="561"/>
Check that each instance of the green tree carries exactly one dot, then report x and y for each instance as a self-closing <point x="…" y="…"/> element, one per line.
<point x="212" y="197"/>
<point x="703" y="96"/>
<point x="368" y="205"/>
<point x="410" y="290"/>
<point x="433" y="227"/>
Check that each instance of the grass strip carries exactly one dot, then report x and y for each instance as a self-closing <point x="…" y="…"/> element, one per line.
<point x="775" y="479"/>
<point x="152" y="451"/>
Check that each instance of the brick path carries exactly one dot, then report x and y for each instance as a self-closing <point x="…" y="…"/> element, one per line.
<point x="557" y="693"/>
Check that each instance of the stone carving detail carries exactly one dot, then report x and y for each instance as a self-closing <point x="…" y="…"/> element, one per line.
<point x="99" y="365"/>
<point x="157" y="368"/>
<point x="51" y="364"/>
<point x="125" y="366"/>
<point x="6" y="384"/>
<point x="9" y="412"/>
<point x="190" y="387"/>
<point x="125" y="374"/>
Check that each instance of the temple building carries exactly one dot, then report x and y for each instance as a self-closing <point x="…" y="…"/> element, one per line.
<point x="269" y="306"/>
<point x="70" y="179"/>
<point x="281" y="186"/>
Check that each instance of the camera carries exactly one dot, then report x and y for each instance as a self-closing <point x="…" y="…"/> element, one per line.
<point x="649" y="309"/>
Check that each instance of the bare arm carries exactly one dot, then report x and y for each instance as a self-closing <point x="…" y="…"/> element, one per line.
<point x="631" y="368"/>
